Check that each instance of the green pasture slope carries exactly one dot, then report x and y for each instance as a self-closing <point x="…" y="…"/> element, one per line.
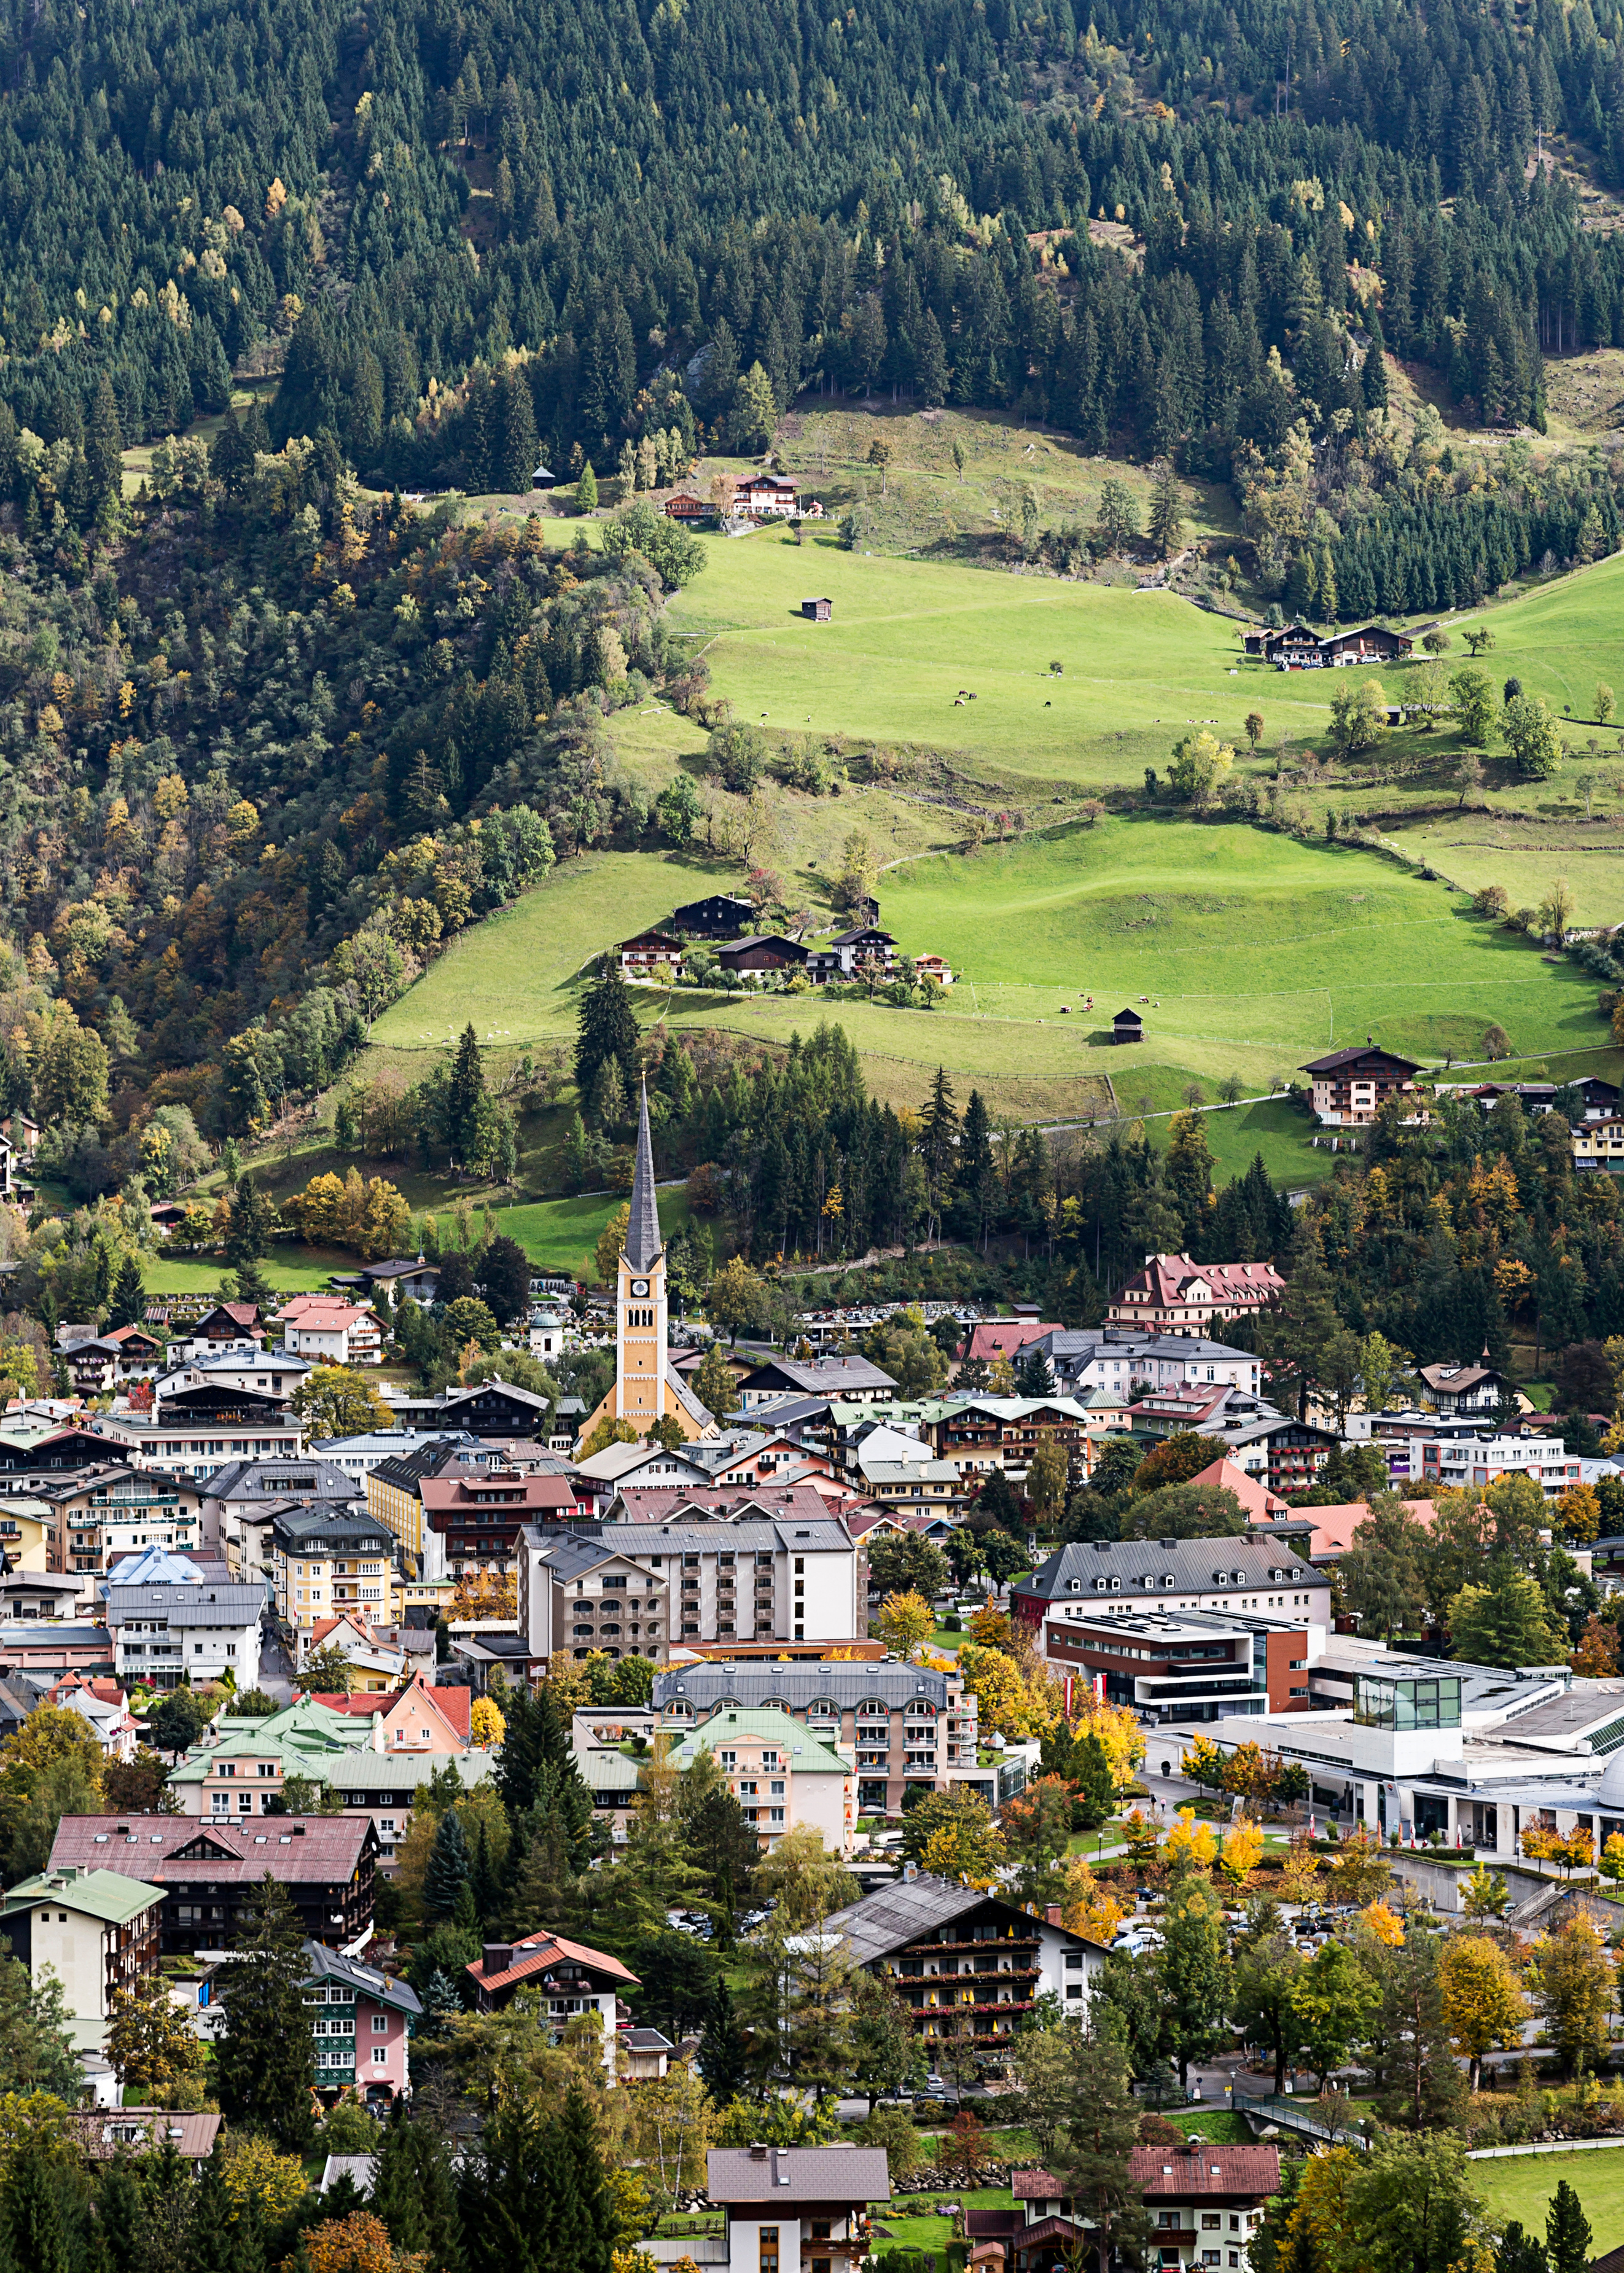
<point x="1255" y="951"/>
<point x="1140" y="669"/>
<point x="1559" y="639"/>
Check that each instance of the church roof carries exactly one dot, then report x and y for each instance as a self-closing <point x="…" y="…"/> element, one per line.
<point x="642" y="1231"/>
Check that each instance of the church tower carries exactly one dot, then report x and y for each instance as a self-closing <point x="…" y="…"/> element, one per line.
<point x="640" y="1297"/>
<point x="646" y="1390"/>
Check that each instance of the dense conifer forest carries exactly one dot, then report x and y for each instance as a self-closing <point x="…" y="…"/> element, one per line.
<point x="645" y="202"/>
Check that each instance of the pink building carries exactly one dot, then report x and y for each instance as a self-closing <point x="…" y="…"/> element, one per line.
<point x="362" y="2020"/>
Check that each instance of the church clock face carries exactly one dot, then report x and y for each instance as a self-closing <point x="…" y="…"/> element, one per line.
<point x="640" y="1286"/>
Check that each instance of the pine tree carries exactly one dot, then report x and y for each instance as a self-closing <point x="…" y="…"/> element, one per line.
<point x="592" y="2212"/>
<point x="1166" y="507"/>
<point x="1520" y="2253"/>
<point x="607" y="1029"/>
<point x="937" y="1147"/>
<point x="933" y="372"/>
<point x="264" y="2057"/>
<point x="447" y="1870"/>
<point x="1567" y="2232"/>
<point x="247" y="1238"/>
<point x="396" y="2195"/>
<point x="1101" y="2133"/>
<point x="721" y="2056"/>
<point x="33" y="2203"/>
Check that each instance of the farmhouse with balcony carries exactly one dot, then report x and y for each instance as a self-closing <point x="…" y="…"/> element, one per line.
<point x="969" y="1966"/>
<point x="1348" y="1084"/>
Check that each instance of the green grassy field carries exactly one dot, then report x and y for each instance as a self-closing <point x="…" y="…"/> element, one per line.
<point x="1140" y="669"/>
<point x="290" y="1270"/>
<point x="1253" y="952"/>
<point x="1521" y="2186"/>
<point x="559" y="1234"/>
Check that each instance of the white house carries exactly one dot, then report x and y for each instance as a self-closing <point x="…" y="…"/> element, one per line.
<point x="789" y="2210"/>
<point x="328" y="1331"/>
<point x="96" y="1931"/>
<point x="209" y="1628"/>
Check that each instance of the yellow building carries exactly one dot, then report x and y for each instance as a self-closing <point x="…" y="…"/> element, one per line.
<point x="325" y="1567"/>
<point x="646" y="1388"/>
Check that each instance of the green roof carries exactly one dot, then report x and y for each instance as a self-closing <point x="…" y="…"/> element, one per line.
<point x="105" y="1894"/>
<point x="805" y="1754"/>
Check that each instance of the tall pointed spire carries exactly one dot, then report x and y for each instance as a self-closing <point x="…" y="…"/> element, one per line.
<point x="643" y="1232"/>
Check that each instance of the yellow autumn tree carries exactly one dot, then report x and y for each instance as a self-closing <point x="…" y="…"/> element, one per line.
<point x="904" y="1621"/>
<point x="1013" y="1703"/>
<point x="1243" y="1845"/>
<point x="1188" y="1841"/>
<point x="1384" y="1923"/>
<point x="1484" y="2006"/>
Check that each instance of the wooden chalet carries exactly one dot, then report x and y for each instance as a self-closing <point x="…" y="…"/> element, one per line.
<point x="648" y="952"/>
<point x="761" y="951"/>
<point x="1349" y="1084"/>
<point x="720" y="915"/>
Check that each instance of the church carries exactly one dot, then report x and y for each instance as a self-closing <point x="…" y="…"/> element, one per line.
<point x="646" y="1388"/>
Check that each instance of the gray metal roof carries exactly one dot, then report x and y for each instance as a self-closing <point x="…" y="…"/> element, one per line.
<point x="901" y="1912"/>
<point x="326" y="1964"/>
<point x="706" y="1686"/>
<point x="251" y="1479"/>
<point x="224" y="1605"/>
<point x="1086" y="1342"/>
<point x="642" y="1231"/>
<point x="831" y="1374"/>
<point x="797" y="2174"/>
<point x="1194" y="1566"/>
<point x="580" y="1550"/>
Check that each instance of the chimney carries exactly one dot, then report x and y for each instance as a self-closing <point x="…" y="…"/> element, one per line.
<point x="1053" y="1913"/>
<point x="497" y="1957"/>
<point x="758" y="2150"/>
<point x="909" y="1871"/>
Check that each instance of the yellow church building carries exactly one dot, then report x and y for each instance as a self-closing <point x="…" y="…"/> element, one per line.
<point x="646" y="1388"/>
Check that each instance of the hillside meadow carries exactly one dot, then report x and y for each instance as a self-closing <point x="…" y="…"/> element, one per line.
<point x="1253" y="952"/>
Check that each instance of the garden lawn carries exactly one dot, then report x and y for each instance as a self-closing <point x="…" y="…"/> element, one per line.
<point x="924" y="2232"/>
<point x="1521" y="2186"/>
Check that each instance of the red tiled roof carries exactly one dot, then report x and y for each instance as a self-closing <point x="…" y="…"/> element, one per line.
<point x="321" y="1847"/>
<point x="996" y="1338"/>
<point x="1047" y="2229"/>
<point x="444" y="1494"/>
<point x="541" y="1950"/>
<point x="1202" y="2168"/>
<point x="1166" y="1280"/>
<point x="1036" y="2185"/>
<point x="454" y="1703"/>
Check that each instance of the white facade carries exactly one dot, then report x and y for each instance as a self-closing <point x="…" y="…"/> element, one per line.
<point x="205" y="1629"/>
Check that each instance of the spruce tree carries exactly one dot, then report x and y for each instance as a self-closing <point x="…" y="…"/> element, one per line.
<point x="482" y="1882"/>
<point x="607" y="1028"/>
<point x="264" y="2054"/>
<point x="1521" y="2252"/>
<point x="721" y="2048"/>
<point x="1095" y="1787"/>
<point x="465" y="1093"/>
<point x="1567" y="2232"/>
<point x="1102" y="2132"/>
<point x="396" y="2196"/>
<point x="128" y="1303"/>
<point x="592" y="2211"/>
<point x="33" y="2203"/>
